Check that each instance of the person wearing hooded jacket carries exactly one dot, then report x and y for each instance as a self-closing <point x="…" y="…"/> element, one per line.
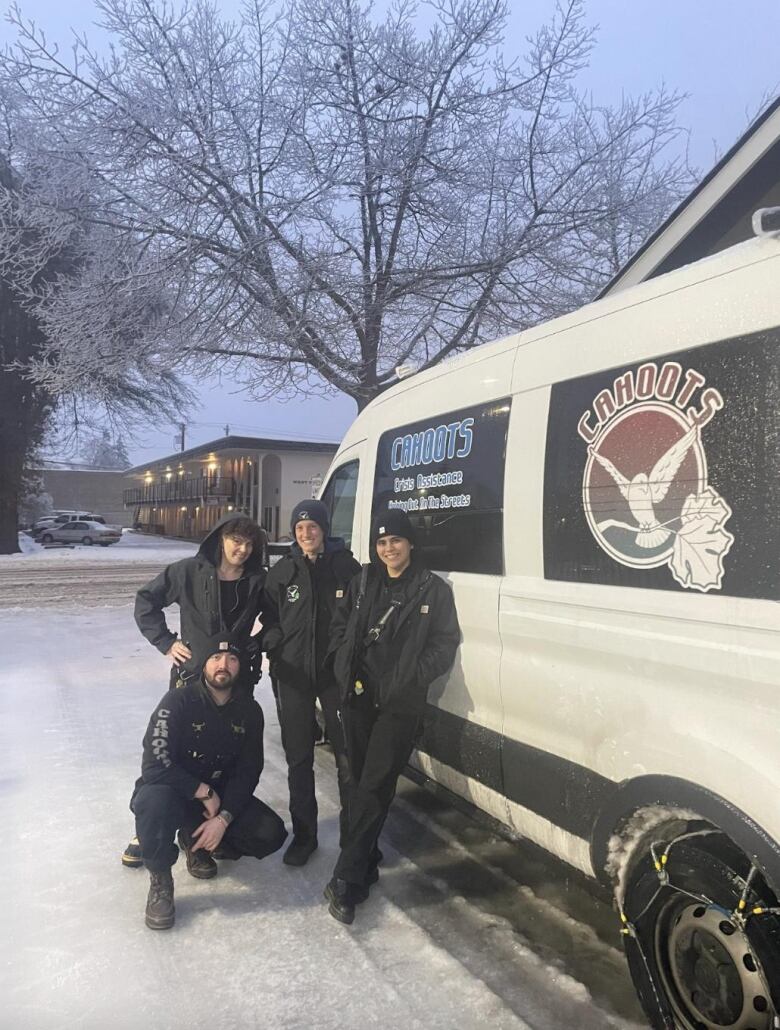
<point x="303" y="591"/>
<point x="219" y="590"/>
<point x="395" y="634"/>
<point x="202" y="759"/>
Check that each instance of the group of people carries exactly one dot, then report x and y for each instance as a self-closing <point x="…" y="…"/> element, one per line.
<point x="366" y="642"/>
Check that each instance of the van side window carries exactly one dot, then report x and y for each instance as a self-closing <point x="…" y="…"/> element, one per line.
<point x="447" y="474"/>
<point x="339" y="498"/>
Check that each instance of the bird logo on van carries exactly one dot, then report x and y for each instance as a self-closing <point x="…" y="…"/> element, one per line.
<point x="644" y="491"/>
<point x="645" y="485"/>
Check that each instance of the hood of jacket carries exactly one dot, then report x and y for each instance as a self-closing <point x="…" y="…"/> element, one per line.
<point x="209" y="547"/>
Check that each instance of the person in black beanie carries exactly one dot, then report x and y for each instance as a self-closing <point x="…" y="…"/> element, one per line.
<point x="396" y="633"/>
<point x="202" y="759"/>
<point x="302" y="592"/>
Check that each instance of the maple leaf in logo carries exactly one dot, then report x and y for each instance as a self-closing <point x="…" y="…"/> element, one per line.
<point x="701" y="543"/>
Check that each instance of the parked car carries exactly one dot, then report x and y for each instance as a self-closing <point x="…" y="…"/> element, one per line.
<point x="63" y="519"/>
<point x="81" y="531"/>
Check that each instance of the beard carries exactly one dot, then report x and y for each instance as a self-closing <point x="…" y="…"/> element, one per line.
<point x="221" y="681"/>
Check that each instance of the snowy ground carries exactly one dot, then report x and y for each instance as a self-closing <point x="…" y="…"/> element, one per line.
<point x="464" y="929"/>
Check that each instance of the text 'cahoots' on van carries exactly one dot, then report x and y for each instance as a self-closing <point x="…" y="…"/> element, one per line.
<point x="603" y="495"/>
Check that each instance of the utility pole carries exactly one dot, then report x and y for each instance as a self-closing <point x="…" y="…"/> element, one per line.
<point x="227" y="429"/>
<point x="182" y="427"/>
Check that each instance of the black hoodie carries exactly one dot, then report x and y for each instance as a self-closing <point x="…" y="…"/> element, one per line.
<point x="192" y="583"/>
<point x="191" y="740"/>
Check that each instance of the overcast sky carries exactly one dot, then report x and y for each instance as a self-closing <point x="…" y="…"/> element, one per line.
<point x="722" y="53"/>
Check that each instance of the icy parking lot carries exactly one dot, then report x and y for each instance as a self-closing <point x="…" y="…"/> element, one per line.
<point x="464" y="929"/>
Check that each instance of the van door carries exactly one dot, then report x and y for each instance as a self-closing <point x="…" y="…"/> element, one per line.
<point x="550" y="800"/>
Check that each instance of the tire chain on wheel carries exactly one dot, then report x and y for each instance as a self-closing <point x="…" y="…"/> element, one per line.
<point x="632" y="938"/>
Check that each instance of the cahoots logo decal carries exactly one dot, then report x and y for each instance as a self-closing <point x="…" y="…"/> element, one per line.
<point x="645" y="489"/>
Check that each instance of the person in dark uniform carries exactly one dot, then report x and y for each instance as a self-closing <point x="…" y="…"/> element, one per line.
<point x="219" y="590"/>
<point x="202" y="759"/>
<point x="396" y="633"/>
<point x="302" y="592"/>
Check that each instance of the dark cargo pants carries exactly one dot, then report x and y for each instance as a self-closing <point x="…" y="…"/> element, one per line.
<point x="379" y="744"/>
<point x="160" y="811"/>
<point x="296" y="708"/>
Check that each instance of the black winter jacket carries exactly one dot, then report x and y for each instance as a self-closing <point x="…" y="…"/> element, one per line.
<point x="191" y="740"/>
<point x="419" y="641"/>
<point x="192" y="583"/>
<point x="298" y="607"/>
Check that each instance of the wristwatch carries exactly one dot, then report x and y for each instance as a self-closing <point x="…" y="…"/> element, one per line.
<point x="225" y="816"/>
<point x="209" y="794"/>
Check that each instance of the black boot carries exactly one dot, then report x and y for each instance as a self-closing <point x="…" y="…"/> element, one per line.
<point x="341" y="900"/>
<point x="200" y="864"/>
<point x="300" y="851"/>
<point x="160" y="913"/>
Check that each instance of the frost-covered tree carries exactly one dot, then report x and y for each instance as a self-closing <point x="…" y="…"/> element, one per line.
<point x="322" y="194"/>
<point x="48" y="254"/>
<point x="102" y="450"/>
<point x="34" y="501"/>
<point x="24" y="406"/>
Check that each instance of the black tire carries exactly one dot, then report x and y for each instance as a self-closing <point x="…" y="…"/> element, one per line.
<point x="103" y="545"/>
<point x="87" y="540"/>
<point x="694" y="964"/>
<point x="47" y="538"/>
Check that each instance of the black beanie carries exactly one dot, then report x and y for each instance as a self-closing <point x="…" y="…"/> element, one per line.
<point x="221" y="643"/>
<point x="393" y="522"/>
<point x="313" y="510"/>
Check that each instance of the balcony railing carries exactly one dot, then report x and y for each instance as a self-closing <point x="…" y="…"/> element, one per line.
<point x="199" y="488"/>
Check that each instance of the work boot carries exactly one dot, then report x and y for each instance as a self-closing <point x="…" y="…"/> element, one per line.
<point x="300" y="851"/>
<point x="341" y="900"/>
<point x="160" y="913"/>
<point x="200" y="864"/>
<point x="132" y="856"/>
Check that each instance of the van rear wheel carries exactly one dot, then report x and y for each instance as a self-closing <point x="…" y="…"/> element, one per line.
<point x="700" y="956"/>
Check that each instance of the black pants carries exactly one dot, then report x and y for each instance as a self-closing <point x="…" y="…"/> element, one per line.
<point x="379" y="744"/>
<point x="296" y="706"/>
<point x="160" y="811"/>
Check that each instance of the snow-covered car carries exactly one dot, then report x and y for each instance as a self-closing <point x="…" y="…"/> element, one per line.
<point x="63" y="519"/>
<point x="81" y="532"/>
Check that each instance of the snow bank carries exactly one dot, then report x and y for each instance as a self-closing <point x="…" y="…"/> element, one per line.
<point x="133" y="547"/>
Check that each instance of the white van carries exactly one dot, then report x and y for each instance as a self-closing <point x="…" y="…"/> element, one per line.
<point x="603" y="495"/>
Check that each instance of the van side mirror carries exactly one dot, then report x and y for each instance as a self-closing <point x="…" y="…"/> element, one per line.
<point x="766" y="221"/>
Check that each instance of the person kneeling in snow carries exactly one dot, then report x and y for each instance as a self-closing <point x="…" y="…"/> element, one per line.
<point x="203" y="755"/>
